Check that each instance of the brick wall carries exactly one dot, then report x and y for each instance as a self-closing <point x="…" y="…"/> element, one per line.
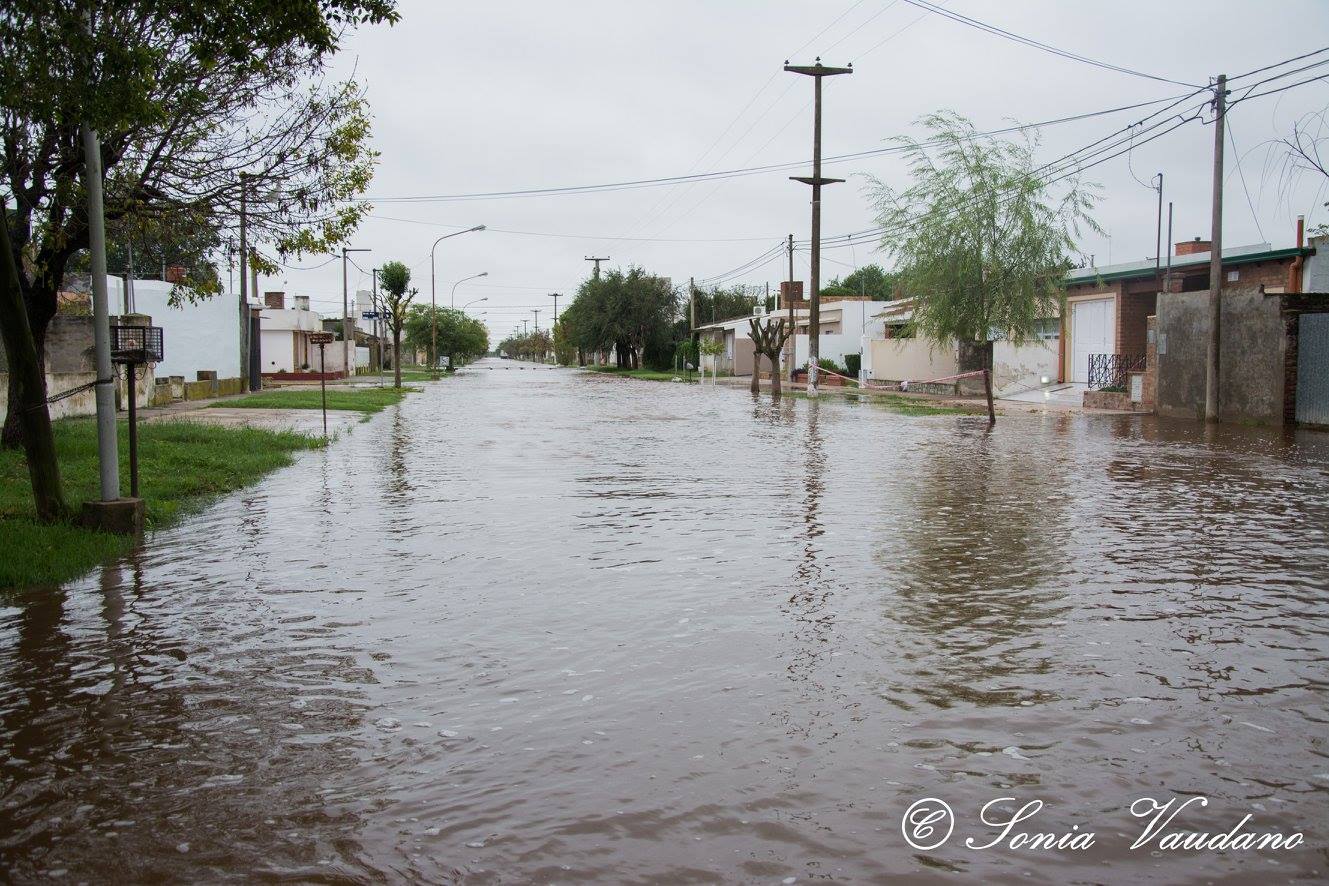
<point x="1133" y="312"/>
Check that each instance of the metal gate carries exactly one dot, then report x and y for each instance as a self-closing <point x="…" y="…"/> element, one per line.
<point x="1313" y="369"/>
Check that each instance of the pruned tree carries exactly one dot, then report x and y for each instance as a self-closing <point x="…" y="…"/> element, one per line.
<point x="768" y="340"/>
<point x="394" y="282"/>
<point x="981" y="239"/>
<point x="194" y="101"/>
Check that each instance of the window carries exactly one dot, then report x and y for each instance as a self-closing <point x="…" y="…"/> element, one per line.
<point x="1048" y="329"/>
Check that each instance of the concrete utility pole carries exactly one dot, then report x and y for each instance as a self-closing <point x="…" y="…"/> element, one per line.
<point x="536" y="312"/>
<point x="346" y="334"/>
<point x="597" y="264"/>
<point x="816" y="72"/>
<point x="1215" y="258"/>
<point x="108" y="452"/>
<point x="244" y="282"/>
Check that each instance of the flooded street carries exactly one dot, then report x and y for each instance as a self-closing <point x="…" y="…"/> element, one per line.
<point x="536" y="625"/>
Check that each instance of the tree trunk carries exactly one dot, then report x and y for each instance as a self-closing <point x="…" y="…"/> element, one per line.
<point x="27" y="390"/>
<point x="396" y="358"/>
<point x="756" y="372"/>
<point x="775" y="378"/>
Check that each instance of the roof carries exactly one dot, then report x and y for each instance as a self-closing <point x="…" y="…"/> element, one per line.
<point x="742" y="322"/>
<point x="1237" y="255"/>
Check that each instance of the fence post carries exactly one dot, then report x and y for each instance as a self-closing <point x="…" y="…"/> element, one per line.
<point x="987" y="387"/>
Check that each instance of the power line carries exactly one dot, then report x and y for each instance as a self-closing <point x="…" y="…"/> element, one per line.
<point x="737" y="172"/>
<point x="1038" y="44"/>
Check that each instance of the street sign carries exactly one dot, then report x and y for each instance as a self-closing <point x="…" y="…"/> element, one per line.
<point x="321" y="338"/>
<point x="369" y="315"/>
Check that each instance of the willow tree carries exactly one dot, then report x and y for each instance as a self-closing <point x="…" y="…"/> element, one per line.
<point x="195" y="102"/>
<point x="982" y="236"/>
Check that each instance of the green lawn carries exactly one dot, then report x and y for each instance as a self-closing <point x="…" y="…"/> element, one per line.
<point x="367" y="400"/>
<point x="648" y="374"/>
<point x="181" y="465"/>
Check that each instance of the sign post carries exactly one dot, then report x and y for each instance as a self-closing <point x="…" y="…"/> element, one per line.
<point x="323" y="339"/>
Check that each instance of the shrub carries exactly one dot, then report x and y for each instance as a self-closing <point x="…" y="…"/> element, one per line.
<point x="852" y="363"/>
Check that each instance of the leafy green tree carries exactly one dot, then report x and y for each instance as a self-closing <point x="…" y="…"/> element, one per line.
<point x="394" y="282"/>
<point x="981" y="241"/>
<point x="193" y="101"/>
<point x="190" y="239"/>
<point x="632" y="312"/>
<point x="717" y="304"/>
<point x="461" y="338"/>
<point x="869" y="280"/>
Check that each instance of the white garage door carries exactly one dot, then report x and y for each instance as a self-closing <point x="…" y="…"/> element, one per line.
<point x="1092" y="332"/>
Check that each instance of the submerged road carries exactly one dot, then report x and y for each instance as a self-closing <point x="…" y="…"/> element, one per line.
<point x="546" y="626"/>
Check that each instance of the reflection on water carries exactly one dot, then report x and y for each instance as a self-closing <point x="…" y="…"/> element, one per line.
<point x="539" y="626"/>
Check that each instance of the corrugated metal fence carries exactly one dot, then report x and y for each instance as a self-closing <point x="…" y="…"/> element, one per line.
<point x="1313" y="369"/>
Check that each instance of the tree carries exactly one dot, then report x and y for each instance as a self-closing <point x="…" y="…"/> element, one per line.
<point x="632" y="312"/>
<point x="460" y="337"/>
<point x="38" y="441"/>
<point x="193" y="101"/>
<point x="981" y="241"/>
<point x="869" y="280"/>
<point x="768" y="340"/>
<point x="1304" y="153"/>
<point x="394" y="278"/>
<point x="190" y="239"/>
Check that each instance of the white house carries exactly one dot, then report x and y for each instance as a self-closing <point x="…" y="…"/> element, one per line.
<point x="284" y="337"/>
<point x="196" y="336"/>
<point x="895" y="355"/>
<point x="846" y="325"/>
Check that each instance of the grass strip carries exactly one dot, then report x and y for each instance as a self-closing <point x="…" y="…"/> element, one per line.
<point x="181" y="466"/>
<point x="366" y="400"/>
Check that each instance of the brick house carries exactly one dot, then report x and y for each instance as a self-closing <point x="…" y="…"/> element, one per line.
<point x="1107" y="309"/>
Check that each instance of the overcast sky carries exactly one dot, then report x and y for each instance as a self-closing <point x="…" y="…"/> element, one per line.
<point x="501" y="96"/>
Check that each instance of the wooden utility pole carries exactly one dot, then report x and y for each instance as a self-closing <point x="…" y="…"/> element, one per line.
<point x="692" y="308"/>
<point x="793" y="336"/>
<point x="1215" y="259"/>
<point x="816" y="72"/>
<point x="597" y="263"/>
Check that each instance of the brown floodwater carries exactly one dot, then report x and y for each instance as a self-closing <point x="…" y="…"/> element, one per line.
<point x="535" y="625"/>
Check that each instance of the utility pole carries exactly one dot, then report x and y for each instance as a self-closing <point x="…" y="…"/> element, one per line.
<point x="789" y="303"/>
<point x="1215" y="259"/>
<point x="346" y="334"/>
<point x="536" y="312"/>
<point x="554" y="296"/>
<point x="597" y="264"/>
<point x="244" y="282"/>
<point x="816" y="72"/>
<point x="692" y="308"/>
<point x="378" y="318"/>
<point x="108" y="452"/>
<point x="1158" y="234"/>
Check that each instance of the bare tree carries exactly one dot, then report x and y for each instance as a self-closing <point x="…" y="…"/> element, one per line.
<point x="768" y="340"/>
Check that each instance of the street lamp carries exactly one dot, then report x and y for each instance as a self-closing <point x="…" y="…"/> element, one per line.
<point x="474" y="302"/>
<point x="433" y="304"/>
<point x="463" y="280"/>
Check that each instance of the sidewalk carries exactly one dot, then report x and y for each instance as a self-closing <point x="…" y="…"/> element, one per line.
<point x="304" y="421"/>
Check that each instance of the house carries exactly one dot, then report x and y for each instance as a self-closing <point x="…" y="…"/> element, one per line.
<point x="845" y="324"/>
<point x="1107" y="308"/>
<point x="284" y="335"/>
<point x="203" y="335"/>
<point x="895" y="354"/>
<point x="737" y="356"/>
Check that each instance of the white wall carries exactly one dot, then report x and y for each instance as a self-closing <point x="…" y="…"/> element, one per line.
<point x="194" y="336"/>
<point x="1023" y="368"/>
<point x="276" y="352"/>
<point x="912" y="359"/>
